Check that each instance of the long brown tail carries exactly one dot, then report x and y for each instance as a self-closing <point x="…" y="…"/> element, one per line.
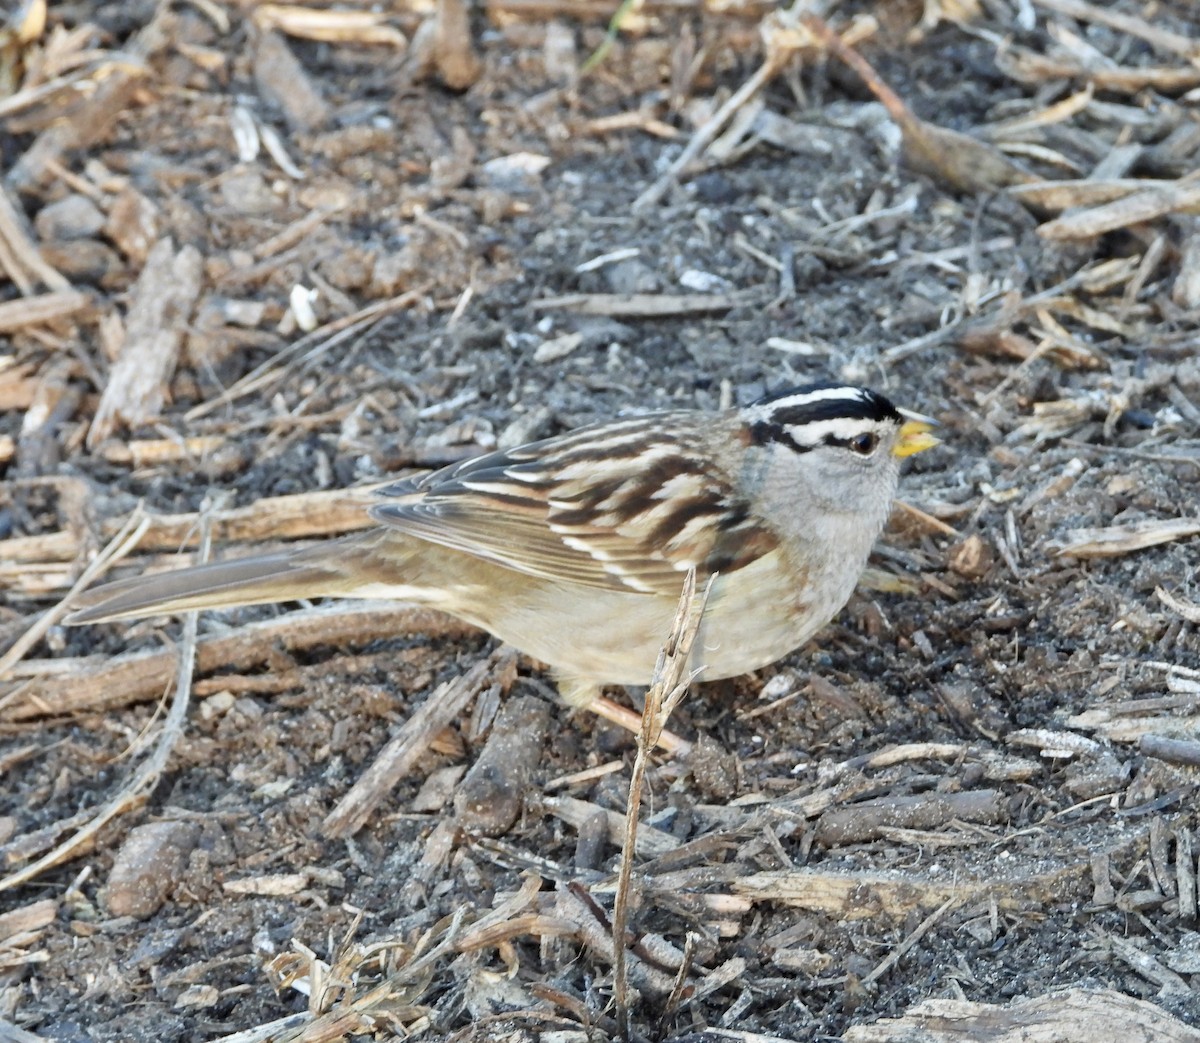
<point x="322" y="571"/>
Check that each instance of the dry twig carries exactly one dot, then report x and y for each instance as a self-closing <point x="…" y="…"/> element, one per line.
<point x="413" y="739"/>
<point x="670" y="684"/>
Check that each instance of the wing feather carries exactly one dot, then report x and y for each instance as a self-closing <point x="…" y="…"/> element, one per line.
<point x="581" y="509"/>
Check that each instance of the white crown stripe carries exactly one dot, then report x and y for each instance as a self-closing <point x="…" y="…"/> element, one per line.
<point x="807" y="398"/>
<point x="815" y="431"/>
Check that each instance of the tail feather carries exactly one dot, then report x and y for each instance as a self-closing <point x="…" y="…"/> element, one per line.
<point x="258" y="580"/>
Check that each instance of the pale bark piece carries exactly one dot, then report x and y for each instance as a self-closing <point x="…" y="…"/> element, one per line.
<point x="163" y="299"/>
<point x="26" y="920"/>
<point x="356" y="27"/>
<point x="291" y="517"/>
<point x="1186" y="290"/>
<point x="54" y="402"/>
<point x="1115" y="540"/>
<point x="46" y="307"/>
<point x="1147" y="205"/>
<point x="1078" y="192"/>
<point x="866" y="894"/>
<point x="457" y="63"/>
<point x="640" y="305"/>
<point x="1056" y="1018"/>
<point x="868" y="819"/>
<point x="282" y="81"/>
<point x="133" y="224"/>
<point x="148" y="865"/>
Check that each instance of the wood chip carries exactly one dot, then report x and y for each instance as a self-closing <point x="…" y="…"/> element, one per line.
<point x="147" y="867"/>
<point x="1077" y="1014"/>
<point x="360" y="27"/>
<point x="639" y="305"/>
<point x="1172" y="751"/>
<point x="651" y="842"/>
<point x="162" y="301"/>
<point x="40" y="308"/>
<point x="1115" y="540"/>
<point x="272" y="885"/>
<point x="491" y="797"/>
<point x="26" y="920"/>
<point x="866" y="819"/>
<point x="861" y="894"/>
<point x="296" y="516"/>
<point x="283" y="82"/>
<point x="1145" y="205"/>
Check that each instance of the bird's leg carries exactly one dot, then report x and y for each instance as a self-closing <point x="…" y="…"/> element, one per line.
<point x="581" y="694"/>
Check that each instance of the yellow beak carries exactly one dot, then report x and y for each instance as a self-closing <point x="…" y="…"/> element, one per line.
<point x="915" y="437"/>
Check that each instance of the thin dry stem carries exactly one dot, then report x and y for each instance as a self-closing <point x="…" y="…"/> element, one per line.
<point x="670" y="684"/>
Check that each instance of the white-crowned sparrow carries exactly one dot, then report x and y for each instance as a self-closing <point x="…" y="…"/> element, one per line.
<point x="574" y="549"/>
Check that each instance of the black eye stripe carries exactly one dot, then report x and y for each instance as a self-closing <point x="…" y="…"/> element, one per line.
<point x="763" y="432"/>
<point x="864" y="444"/>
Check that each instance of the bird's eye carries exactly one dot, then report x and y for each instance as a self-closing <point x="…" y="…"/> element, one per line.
<point x="864" y="444"/>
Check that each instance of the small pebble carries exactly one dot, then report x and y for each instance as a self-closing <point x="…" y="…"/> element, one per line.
<point x="72" y="217"/>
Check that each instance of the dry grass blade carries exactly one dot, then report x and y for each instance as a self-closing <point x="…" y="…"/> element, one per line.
<point x="640" y="305"/>
<point x="783" y="39"/>
<point x="22" y="261"/>
<point x="671" y="682"/>
<point x="339" y="1005"/>
<point x="1188" y="609"/>
<point x="922" y="929"/>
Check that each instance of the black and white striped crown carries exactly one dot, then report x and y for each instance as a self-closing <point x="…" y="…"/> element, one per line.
<point x="827" y="401"/>
<point x="812" y="414"/>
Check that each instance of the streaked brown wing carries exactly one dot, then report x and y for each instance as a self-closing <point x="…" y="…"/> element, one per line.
<point x="580" y="508"/>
